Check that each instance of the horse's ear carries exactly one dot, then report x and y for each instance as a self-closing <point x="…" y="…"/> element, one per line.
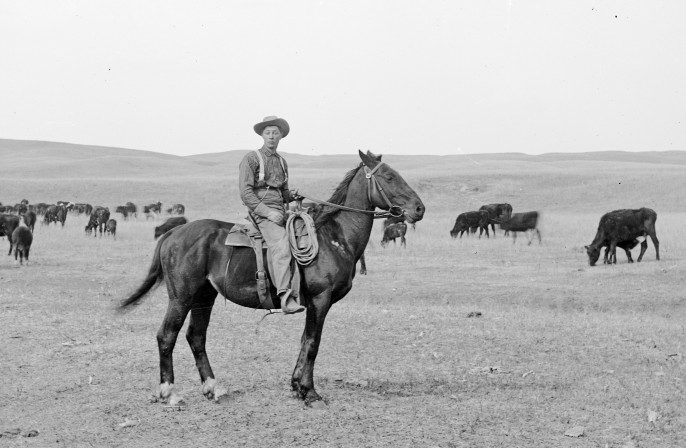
<point x="369" y="161"/>
<point x="375" y="157"/>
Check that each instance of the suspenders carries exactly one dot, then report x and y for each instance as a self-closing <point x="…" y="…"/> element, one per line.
<point x="261" y="159"/>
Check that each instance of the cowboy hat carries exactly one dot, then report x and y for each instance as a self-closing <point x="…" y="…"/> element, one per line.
<point x="273" y="121"/>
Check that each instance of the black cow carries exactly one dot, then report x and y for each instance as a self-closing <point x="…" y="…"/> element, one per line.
<point x="168" y="225"/>
<point x="7" y="225"/>
<point x="622" y="226"/>
<point x="132" y="209"/>
<point x="152" y="208"/>
<point x="176" y="209"/>
<point x="22" y="239"/>
<point x="81" y="208"/>
<point x="522" y="222"/>
<point x="124" y="210"/>
<point x="55" y="213"/>
<point x="20" y="209"/>
<point x="111" y="227"/>
<point x="41" y="208"/>
<point x="497" y="213"/>
<point x="470" y="220"/>
<point x="97" y="220"/>
<point x="394" y="231"/>
<point x="30" y="220"/>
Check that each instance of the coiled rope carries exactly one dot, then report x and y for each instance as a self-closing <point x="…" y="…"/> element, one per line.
<point x="308" y="253"/>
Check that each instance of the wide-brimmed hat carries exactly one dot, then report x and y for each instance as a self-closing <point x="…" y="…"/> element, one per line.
<point x="273" y="121"/>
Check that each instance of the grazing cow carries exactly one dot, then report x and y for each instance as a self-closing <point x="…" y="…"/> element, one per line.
<point x="123" y="210"/>
<point x="97" y="220"/>
<point x="152" y="208"/>
<point x="394" y="231"/>
<point x="133" y="210"/>
<point x="111" y="227"/>
<point x="30" y="219"/>
<point x="22" y="239"/>
<point x="83" y="209"/>
<point x="168" y="225"/>
<point x="55" y="213"/>
<point x="41" y="208"/>
<point x="470" y="220"/>
<point x="497" y="213"/>
<point x="7" y="225"/>
<point x="522" y="222"/>
<point x="622" y="226"/>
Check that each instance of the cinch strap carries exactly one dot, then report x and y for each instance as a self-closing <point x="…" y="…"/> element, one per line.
<point x="260" y="177"/>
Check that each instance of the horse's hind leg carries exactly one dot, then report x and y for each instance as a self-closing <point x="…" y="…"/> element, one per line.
<point x="196" y="335"/>
<point x="166" y="339"/>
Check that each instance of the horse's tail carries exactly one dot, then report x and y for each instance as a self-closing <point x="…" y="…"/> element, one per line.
<point x="155" y="276"/>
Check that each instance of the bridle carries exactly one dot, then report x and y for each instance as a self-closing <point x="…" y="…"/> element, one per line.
<point x="373" y="185"/>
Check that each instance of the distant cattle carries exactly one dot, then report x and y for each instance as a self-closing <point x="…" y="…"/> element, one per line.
<point x="81" y="209"/>
<point x="20" y="209"/>
<point x="176" y="209"/>
<point x="7" y="225"/>
<point x="470" y="220"/>
<point x="22" y="239"/>
<point x="626" y="245"/>
<point x="30" y="219"/>
<point x="497" y="213"/>
<point x="522" y="222"/>
<point x="152" y="208"/>
<point x="621" y="228"/>
<point x="168" y="225"/>
<point x="394" y="231"/>
<point x="55" y="213"/>
<point x="111" y="227"/>
<point x="6" y="209"/>
<point x="97" y="220"/>
<point x="24" y="201"/>
<point x="41" y="208"/>
<point x="132" y="209"/>
<point x="123" y="210"/>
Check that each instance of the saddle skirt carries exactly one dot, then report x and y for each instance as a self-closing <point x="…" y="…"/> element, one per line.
<point x="247" y="235"/>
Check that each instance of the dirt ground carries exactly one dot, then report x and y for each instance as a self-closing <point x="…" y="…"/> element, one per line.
<point x="558" y="345"/>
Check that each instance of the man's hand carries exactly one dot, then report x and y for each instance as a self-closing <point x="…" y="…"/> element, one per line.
<point x="295" y="195"/>
<point x="275" y="217"/>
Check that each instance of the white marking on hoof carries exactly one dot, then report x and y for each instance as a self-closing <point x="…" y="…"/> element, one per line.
<point x="317" y="404"/>
<point x="221" y="395"/>
<point x="208" y="388"/>
<point x="166" y="389"/>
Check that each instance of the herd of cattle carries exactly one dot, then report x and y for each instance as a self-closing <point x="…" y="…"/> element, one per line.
<point x="17" y="222"/>
<point x="620" y="228"/>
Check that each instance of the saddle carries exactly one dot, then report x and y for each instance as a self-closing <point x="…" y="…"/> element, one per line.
<point x="248" y="235"/>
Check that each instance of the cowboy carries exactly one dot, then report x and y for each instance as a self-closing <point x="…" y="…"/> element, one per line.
<point x="263" y="185"/>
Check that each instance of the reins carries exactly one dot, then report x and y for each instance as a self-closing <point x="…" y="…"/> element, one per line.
<point x="308" y="253"/>
<point x="393" y="210"/>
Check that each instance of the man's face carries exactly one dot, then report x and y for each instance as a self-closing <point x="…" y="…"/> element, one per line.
<point x="271" y="136"/>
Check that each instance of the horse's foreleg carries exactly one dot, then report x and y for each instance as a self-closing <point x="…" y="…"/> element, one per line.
<point x="166" y="339"/>
<point x="302" y="380"/>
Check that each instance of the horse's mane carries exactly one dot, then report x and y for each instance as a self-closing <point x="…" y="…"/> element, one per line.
<point x="322" y="213"/>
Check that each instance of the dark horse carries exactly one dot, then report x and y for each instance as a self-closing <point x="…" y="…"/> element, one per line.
<point x="192" y="259"/>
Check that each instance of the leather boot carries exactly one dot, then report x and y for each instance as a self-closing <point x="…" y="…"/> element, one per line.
<point x="288" y="303"/>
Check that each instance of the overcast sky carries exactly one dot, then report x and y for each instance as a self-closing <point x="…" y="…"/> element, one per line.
<point x="400" y="77"/>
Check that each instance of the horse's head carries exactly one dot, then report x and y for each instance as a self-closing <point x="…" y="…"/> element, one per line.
<point x="389" y="191"/>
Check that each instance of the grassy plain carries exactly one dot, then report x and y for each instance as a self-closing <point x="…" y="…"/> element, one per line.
<point x="559" y="344"/>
